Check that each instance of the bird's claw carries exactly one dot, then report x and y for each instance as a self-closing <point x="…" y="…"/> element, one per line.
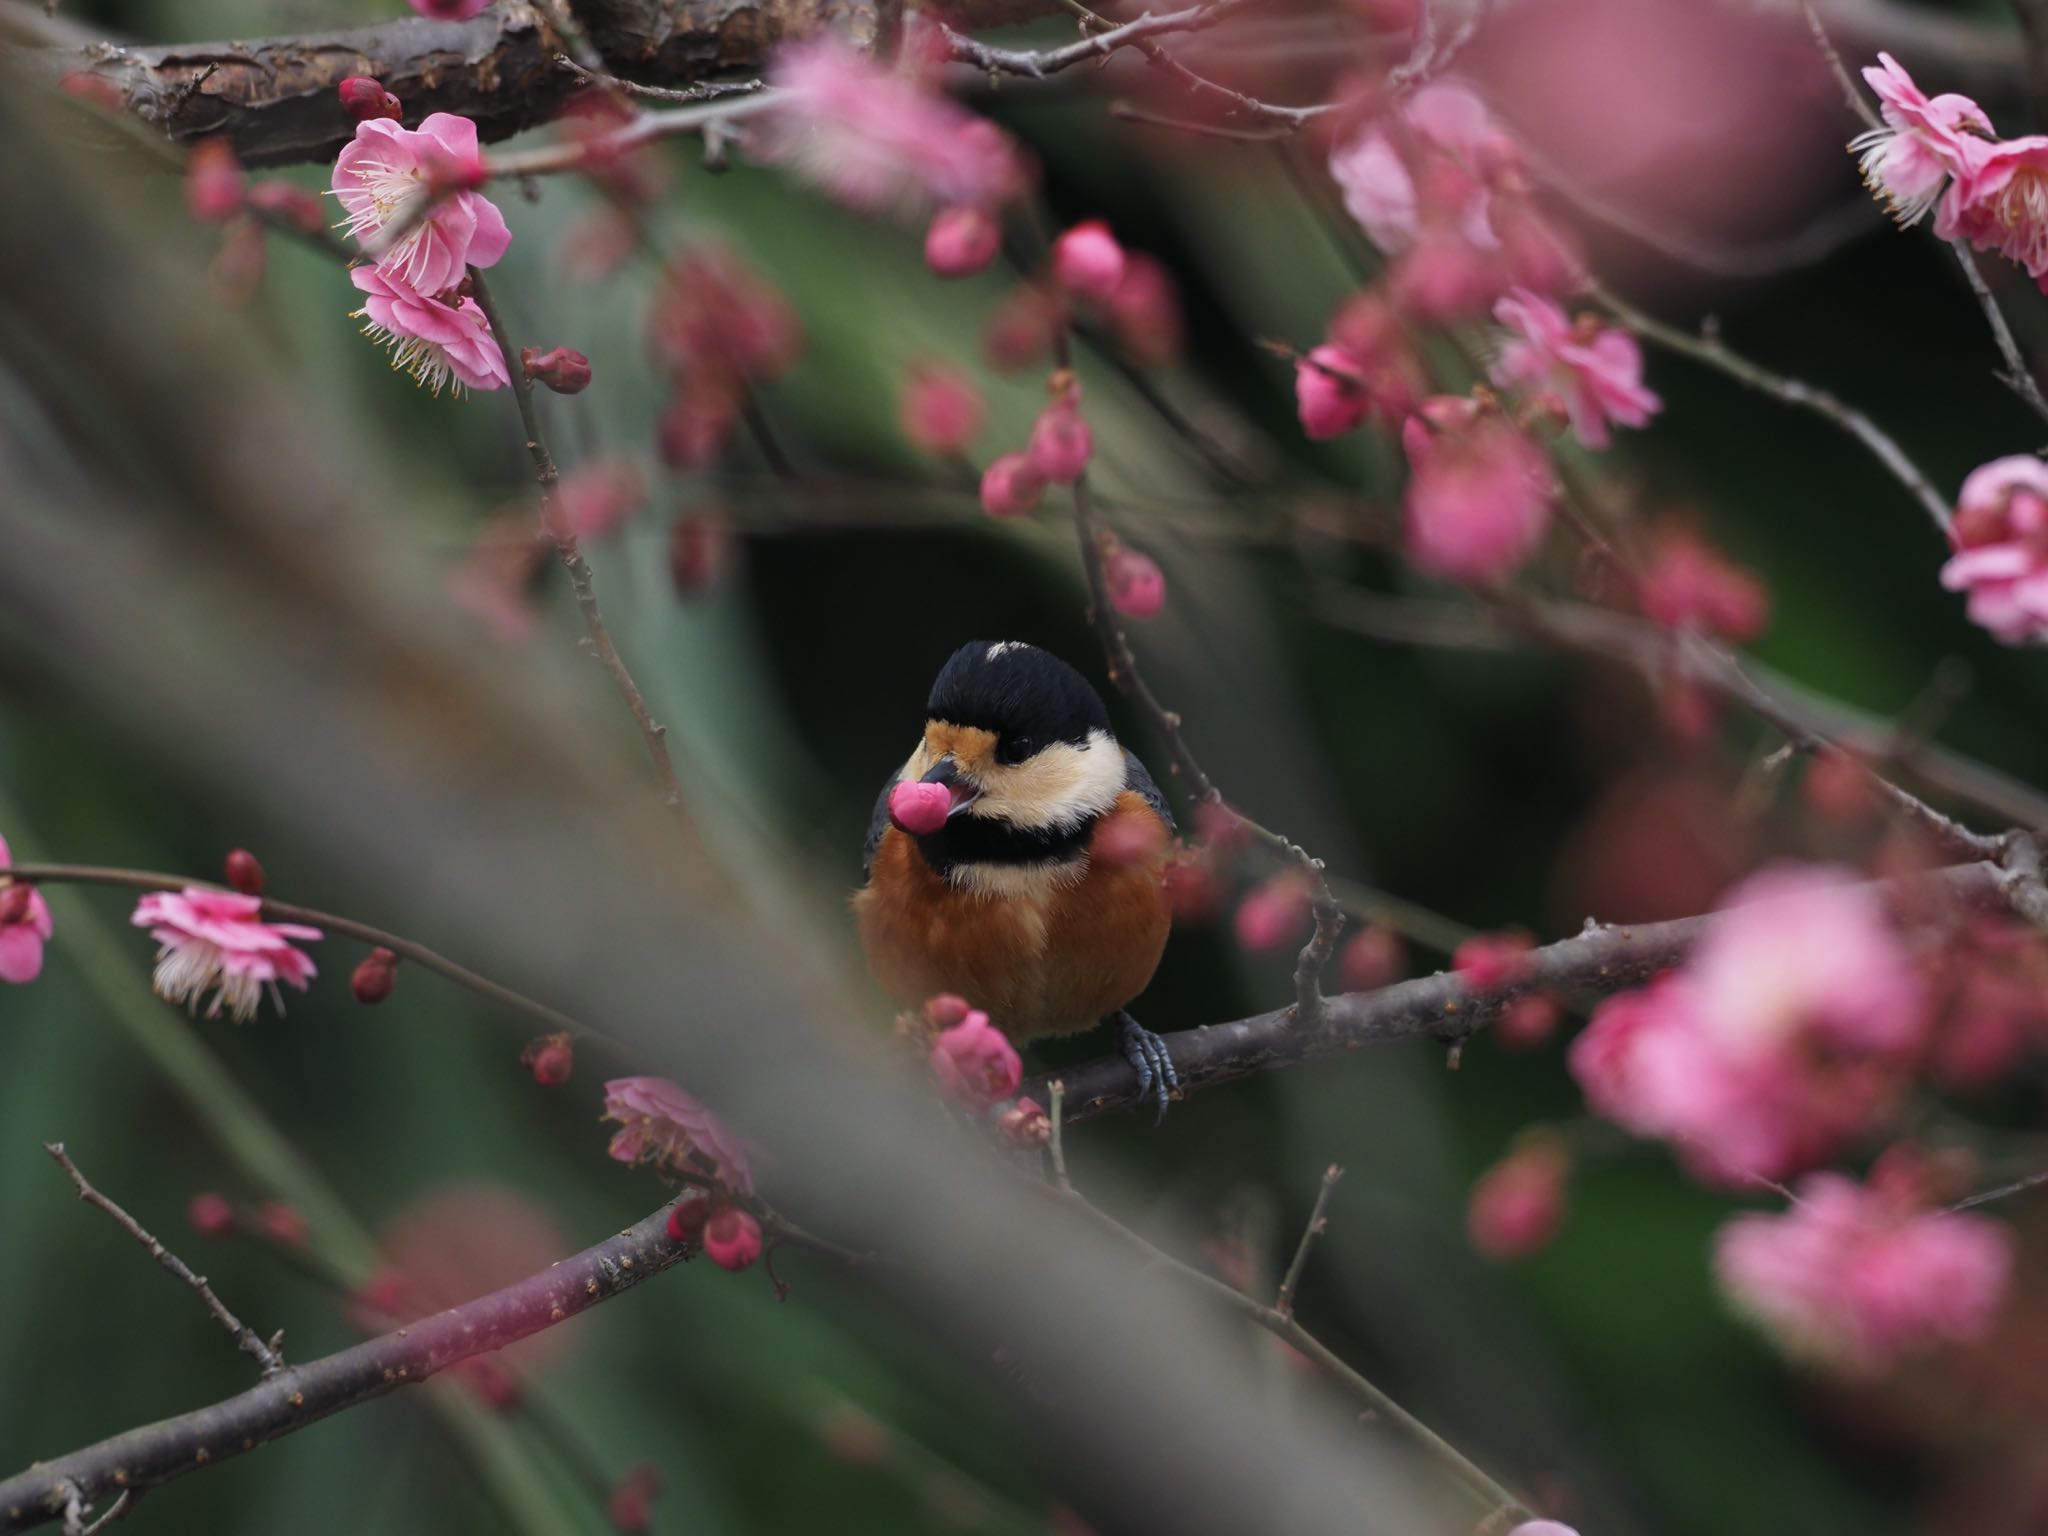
<point x="1149" y="1058"/>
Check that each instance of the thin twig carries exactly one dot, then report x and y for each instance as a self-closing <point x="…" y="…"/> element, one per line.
<point x="1711" y="351"/>
<point x="2016" y="1187"/>
<point x="1056" y="1094"/>
<point x="266" y="1358"/>
<point x="1318" y="1223"/>
<point x="1038" y="63"/>
<point x="571" y="554"/>
<point x="688" y="95"/>
<point x="1122" y="664"/>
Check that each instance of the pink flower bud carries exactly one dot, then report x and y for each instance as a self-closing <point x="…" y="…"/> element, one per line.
<point x="1026" y="1124"/>
<point x="563" y="369"/>
<point x="1087" y="262"/>
<point x="281" y="1223"/>
<point x="1837" y="788"/>
<point x="213" y="182"/>
<point x="1490" y="961"/>
<point x="244" y="873"/>
<point x="975" y="1064"/>
<point x="1372" y="958"/>
<point x="700" y="550"/>
<point x="1061" y="444"/>
<point x="732" y="1238"/>
<point x="1518" y="1203"/>
<point x="1273" y="915"/>
<point x="1010" y="487"/>
<point x="962" y="241"/>
<point x="15" y="901"/>
<point x="919" y="808"/>
<point x="1137" y="587"/>
<point x="375" y="976"/>
<point x="940" y="410"/>
<point x="945" y="1009"/>
<point x="491" y="1380"/>
<point x="210" y="1215"/>
<point x="364" y="99"/>
<point x="1192" y="889"/>
<point x="686" y="1218"/>
<point x="597" y="498"/>
<point x="1527" y="1021"/>
<point x="551" y="1059"/>
<point x="1329" y="395"/>
<point x="97" y="89"/>
<point x="289" y="204"/>
<point x="696" y="426"/>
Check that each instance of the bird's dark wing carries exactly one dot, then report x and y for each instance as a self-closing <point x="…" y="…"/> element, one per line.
<point x="878" y="823"/>
<point x="1135" y="778"/>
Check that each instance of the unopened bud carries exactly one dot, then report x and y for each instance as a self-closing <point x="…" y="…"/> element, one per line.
<point x="946" y="1009"/>
<point x="244" y="873"/>
<point x="700" y="547"/>
<point x="213" y="182"/>
<point x="290" y="205"/>
<point x="282" y="1223"/>
<point x="364" y="99"/>
<point x="210" y="1214"/>
<point x="551" y="1059"/>
<point x="14" y="903"/>
<point x="687" y="1216"/>
<point x="563" y="369"/>
<point x="375" y="976"/>
<point x="1026" y="1124"/>
<point x="1137" y="587"/>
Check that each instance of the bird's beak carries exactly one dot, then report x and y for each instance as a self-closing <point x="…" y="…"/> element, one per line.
<point x="964" y="792"/>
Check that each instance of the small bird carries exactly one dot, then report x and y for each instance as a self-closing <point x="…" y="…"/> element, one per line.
<point x="1017" y="858"/>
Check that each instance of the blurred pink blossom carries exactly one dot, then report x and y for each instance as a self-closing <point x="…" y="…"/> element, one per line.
<point x="1272" y="915"/>
<point x="449" y="10"/>
<point x="874" y="138"/>
<point x="2001" y="559"/>
<point x="1518" y="1203"/>
<point x="962" y="240"/>
<point x="1061" y="443"/>
<point x="437" y="343"/>
<point x="596" y="497"/>
<point x="1594" y="371"/>
<point x="1137" y="587"/>
<point x="1143" y="313"/>
<point x="940" y="410"/>
<point x="1478" y="499"/>
<point x="217" y="942"/>
<point x="383" y="172"/>
<point x="975" y="1064"/>
<point x="24" y="927"/>
<point x="1688" y="584"/>
<point x="1853" y="1278"/>
<point x="1010" y="486"/>
<point x="661" y="1124"/>
<point x="1088" y="262"/>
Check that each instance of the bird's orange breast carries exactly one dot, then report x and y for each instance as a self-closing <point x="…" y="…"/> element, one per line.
<point x="1045" y="955"/>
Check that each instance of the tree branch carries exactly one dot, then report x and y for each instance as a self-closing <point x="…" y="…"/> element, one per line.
<point x="300" y="1395"/>
<point x="266" y="1358"/>
<point x="1602" y="960"/>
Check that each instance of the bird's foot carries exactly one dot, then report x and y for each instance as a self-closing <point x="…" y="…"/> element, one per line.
<point x="1147" y="1054"/>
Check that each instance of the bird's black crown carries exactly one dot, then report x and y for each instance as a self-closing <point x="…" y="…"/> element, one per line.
<point x="1028" y="697"/>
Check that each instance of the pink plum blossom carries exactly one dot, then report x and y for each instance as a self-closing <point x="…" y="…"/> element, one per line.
<point x="1688" y="584"/>
<point x="24" y="927"/>
<point x="1478" y="499"/>
<point x="1364" y="370"/>
<point x="1088" y="262"/>
<point x="438" y="343"/>
<point x="1594" y="371"/>
<point x="1143" y="314"/>
<point x="975" y="1064"/>
<point x="1855" y="1278"/>
<point x="2001" y="559"/>
<point x="715" y="317"/>
<point x="1784" y="1035"/>
<point x="1329" y="393"/>
<point x="217" y="942"/>
<point x="213" y="182"/>
<point x="962" y="241"/>
<point x="940" y="410"/>
<point x="661" y="1124"/>
<point x="1460" y="150"/>
<point x="874" y="138"/>
<point x="2000" y="203"/>
<point x="596" y="498"/>
<point x="1010" y="486"/>
<point x="1272" y="914"/>
<point x="386" y="168"/>
<point x="1924" y="142"/>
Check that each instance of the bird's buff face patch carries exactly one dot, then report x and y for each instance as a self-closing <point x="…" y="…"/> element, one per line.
<point x="1061" y="785"/>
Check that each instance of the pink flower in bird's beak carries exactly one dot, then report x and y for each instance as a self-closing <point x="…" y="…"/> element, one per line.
<point x="920" y="808"/>
<point x="383" y="172"/>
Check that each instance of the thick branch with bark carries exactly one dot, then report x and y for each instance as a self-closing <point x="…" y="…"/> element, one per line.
<point x="300" y="1395"/>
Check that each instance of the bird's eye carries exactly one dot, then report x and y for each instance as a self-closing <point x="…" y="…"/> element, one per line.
<point x="1014" y="749"/>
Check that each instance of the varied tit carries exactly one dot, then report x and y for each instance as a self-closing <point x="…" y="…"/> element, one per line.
<point x="1023" y="864"/>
